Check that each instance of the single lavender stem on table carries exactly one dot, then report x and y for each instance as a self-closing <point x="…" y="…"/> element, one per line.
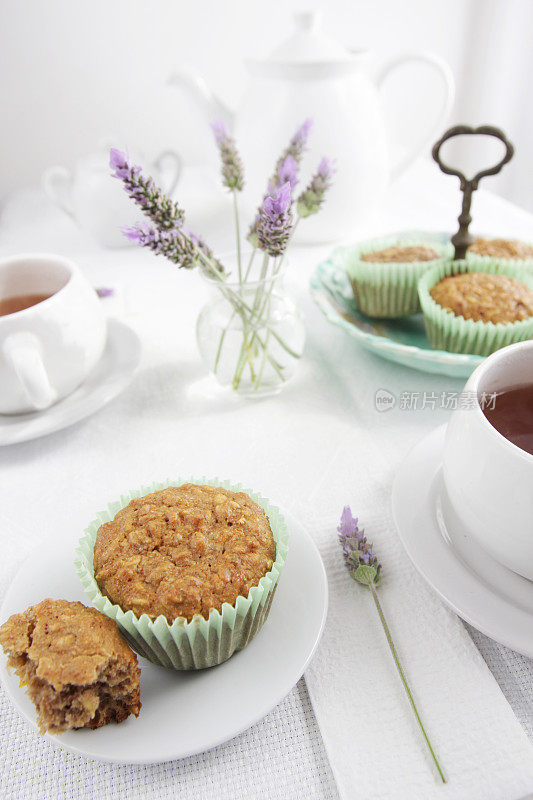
<point x="364" y="567"/>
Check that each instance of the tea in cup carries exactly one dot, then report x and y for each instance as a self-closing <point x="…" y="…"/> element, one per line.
<point x="52" y="331"/>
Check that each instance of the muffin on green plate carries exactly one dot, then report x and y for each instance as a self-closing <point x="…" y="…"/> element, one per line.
<point x="504" y="250"/>
<point x="476" y="307"/>
<point x="188" y="570"/>
<point x="384" y="274"/>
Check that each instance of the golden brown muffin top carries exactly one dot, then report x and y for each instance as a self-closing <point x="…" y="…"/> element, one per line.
<point x="401" y="255"/>
<point x="182" y="551"/>
<point x="501" y="248"/>
<point x="484" y="297"/>
<point x="68" y="642"/>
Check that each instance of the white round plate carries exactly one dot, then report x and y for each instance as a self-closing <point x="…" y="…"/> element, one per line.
<point x="490" y="597"/>
<point x="185" y="713"/>
<point x="111" y="375"/>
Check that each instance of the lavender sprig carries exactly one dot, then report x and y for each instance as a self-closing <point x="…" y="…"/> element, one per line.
<point x="286" y="169"/>
<point x="296" y="147"/>
<point x="359" y="557"/>
<point x="287" y="172"/>
<point x="311" y="199"/>
<point x="274" y="221"/>
<point x="163" y="211"/>
<point x="364" y="567"/>
<point x="173" y="244"/>
<point x="232" y="168"/>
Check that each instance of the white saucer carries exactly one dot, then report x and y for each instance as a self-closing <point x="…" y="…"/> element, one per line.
<point x="490" y="597"/>
<point x="188" y="713"/>
<point x="110" y="376"/>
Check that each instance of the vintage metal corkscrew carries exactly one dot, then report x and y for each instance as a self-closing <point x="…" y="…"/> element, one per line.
<point x="463" y="239"/>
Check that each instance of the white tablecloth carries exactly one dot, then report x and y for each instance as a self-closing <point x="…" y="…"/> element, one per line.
<point x="167" y="404"/>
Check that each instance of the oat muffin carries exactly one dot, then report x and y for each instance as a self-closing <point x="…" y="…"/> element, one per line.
<point x="78" y="670"/>
<point x="485" y="297"/>
<point x="502" y="249"/>
<point x="476" y="308"/>
<point x="182" y="551"/>
<point x="384" y="274"/>
<point x="404" y="255"/>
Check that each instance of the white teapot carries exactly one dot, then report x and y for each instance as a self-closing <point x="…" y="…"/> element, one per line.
<point x="311" y="75"/>
<point x="98" y="202"/>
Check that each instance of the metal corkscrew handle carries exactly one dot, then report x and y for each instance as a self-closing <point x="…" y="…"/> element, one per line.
<point x="463" y="239"/>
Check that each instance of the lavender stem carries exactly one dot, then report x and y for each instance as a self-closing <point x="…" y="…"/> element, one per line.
<point x="404" y="679"/>
<point x="237" y="234"/>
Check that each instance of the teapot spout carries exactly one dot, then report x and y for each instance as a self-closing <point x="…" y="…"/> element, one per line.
<point x="197" y="89"/>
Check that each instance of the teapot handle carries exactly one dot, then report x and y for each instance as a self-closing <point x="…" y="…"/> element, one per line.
<point x="443" y="69"/>
<point x="57" y="184"/>
<point x="177" y="166"/>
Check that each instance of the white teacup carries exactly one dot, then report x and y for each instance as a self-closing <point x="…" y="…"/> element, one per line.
<point x="489" y="479"/>
<point x="47" y="349"/>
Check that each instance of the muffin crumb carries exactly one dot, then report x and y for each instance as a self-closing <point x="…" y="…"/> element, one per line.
<point x="78" y="670"/>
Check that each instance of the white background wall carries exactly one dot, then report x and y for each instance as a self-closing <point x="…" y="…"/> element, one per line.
<point x="72" y="72"/>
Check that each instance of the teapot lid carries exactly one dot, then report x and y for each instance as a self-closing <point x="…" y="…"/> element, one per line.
<point x="307" y="53"/>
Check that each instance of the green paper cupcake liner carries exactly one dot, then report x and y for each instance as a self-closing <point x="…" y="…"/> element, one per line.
<point x="518" y="263"/>
<point x="446" y="331"/>
<point x="201" y="642"/>
<point x="389" y="289"/>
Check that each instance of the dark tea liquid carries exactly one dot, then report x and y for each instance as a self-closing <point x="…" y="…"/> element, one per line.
<point x="512" y="416"/>
<point x="8" y="305"/>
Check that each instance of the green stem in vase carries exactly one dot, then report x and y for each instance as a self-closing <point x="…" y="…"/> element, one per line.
<point x="246" y="347"/>
<point x="250" y="262"/>
<point x="265" y="355"/>
<point x="237" y="234"/>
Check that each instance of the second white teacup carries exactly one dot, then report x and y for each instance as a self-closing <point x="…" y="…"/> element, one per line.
<point x="489" y="480"/>
<point x="49" y="347"/>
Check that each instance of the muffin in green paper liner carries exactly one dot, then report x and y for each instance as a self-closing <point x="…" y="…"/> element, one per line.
<point x="507" y="251"/>
<point x="387" y="288"/>
<point x="453" y="332"/>
<point x="202" y="641"/>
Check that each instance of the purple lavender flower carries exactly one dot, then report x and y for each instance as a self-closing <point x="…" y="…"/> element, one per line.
<point x="295" y="148"/>
<point x="288" y="171"/>
<point x="163" y="211"/>
<point x="302" y="134"/>
<point x="299" y="140"/>
<point x="274" y="221"/>
<point x="232" y="169"/>
<point x="104" y="291"/>
<point x="173" y="244"/>
<point x="180" y="246"/>
<point x="359" y="557"/>
<point x="206" y="250"/>
<point x="312" y="198"/>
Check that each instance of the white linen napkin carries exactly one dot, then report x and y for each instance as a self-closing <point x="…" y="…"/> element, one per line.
<point x="373" y="743"/>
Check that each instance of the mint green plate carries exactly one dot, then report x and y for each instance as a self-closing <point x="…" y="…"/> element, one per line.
<point x="401" y="340"/>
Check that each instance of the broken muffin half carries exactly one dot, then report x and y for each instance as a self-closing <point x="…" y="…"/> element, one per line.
<point x="78" y="670"/>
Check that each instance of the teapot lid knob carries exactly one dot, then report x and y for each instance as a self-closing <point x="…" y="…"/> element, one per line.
<point x="309" y="21"/>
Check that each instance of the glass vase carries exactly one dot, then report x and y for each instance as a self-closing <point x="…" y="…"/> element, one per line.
<point x="251" y="335"/>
